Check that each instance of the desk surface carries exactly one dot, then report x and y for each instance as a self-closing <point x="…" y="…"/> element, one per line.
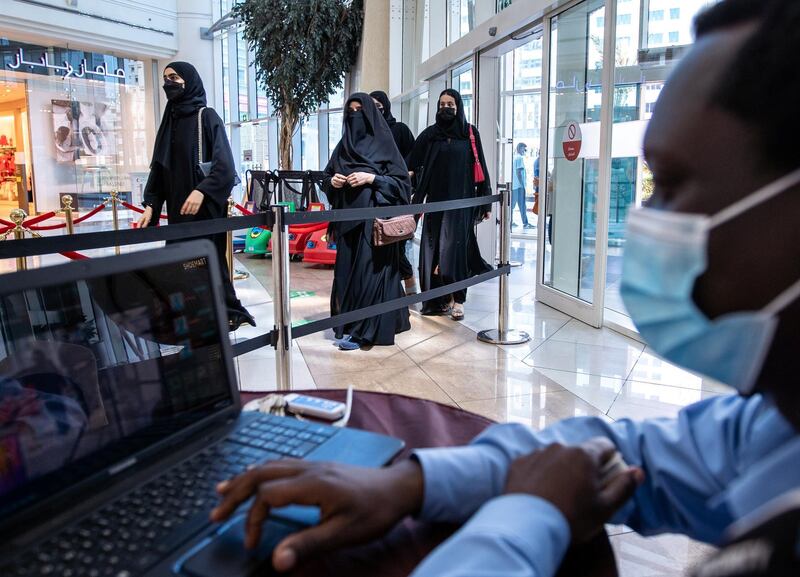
<point x="421" y="423"/>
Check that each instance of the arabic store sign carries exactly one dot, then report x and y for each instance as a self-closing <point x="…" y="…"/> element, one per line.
<point x="62" y="62"/>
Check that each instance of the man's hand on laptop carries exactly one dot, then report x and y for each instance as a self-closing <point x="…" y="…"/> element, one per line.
<point x="576" y="481"/>
<point x="357" y="504"/>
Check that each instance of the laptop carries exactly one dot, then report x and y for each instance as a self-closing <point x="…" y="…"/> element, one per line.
<point x="119" y="413"/>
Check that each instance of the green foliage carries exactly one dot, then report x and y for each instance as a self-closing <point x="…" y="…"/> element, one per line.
<point x="302" y="48"/>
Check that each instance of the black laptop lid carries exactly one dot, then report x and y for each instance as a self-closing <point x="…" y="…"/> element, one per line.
<point x="104" y="362"/>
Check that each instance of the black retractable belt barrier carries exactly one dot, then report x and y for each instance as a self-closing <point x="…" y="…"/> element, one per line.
<point x="392" y="305"/>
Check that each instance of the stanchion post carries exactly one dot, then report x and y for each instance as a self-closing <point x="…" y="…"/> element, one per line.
<point x="115" y="214"/>
<point x="503" y="335"/>
<point x="229" y="235"/>
<point x="281" y="300"/>
<point x="66" y="208"/>
<point x="18" y="216"/>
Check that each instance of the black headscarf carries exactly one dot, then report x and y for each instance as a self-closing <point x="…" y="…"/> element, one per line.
<point x="383" y="98"/>
<point x="367" y="143"/>
<point x="189" y="102"/>
<point x="458" y="128"/>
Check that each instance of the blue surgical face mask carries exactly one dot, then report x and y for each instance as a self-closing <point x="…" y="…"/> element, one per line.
<point x="665" y="253"/>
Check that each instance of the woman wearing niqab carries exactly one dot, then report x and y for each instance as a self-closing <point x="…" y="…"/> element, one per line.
<point x="175" y="177"/>
<point x="443" y="164"/>
<point x="365" y="171"/>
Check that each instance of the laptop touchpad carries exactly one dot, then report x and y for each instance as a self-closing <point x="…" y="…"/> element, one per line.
<point x="225" y="555"/>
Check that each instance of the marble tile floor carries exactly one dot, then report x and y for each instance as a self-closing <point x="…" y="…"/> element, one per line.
<point x="568" y="369"/>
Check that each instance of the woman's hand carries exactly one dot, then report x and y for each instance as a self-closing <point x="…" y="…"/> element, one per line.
<point x="360" y="179"/>
<point x="486" y="215"/>
<point x="338" y="180"/>
<point x="144" y="220"/>
<point x="192" y="204"/>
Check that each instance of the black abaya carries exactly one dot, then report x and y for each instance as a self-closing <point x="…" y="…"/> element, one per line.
<point x="404" y="139"/>
<point x="364" y="274"/>
<point x="443" y="161"/>
<point x="174" y="173"/>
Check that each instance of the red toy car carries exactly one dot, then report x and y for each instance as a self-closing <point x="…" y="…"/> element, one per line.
<point x="319" y="250"/>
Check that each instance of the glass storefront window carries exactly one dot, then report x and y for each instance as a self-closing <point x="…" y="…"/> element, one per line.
<point x="334" y="129"/>
<point x="253" y="146"/>
<point x="309" y="138"/>
<point x="226" y="81"/>
<point x="461" y="80"/>
<point x="71" y="123"/>
<point x="464" y="15"/>
<point x="241" y="75"/>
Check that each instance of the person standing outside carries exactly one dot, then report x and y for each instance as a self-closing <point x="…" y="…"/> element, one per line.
<point x="404" y="139"/>
<point x="518" y="179"/>
<point x="176" y="178"/>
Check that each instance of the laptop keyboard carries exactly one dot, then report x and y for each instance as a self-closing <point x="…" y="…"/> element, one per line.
<point x="133" y="533"/>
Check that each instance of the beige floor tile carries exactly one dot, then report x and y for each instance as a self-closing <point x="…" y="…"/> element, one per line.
<point x="662" y="556"/>
<point x="530" y="304"/>
<point x="535" y="410"/>
<point x="328" y="359"/>
<point x="600" y="392"/>
<point x="407" y="381"/>
<point x="455" y="347"/>
<point x="639" y="400"/>
<point x="258" y="375"/>
<point x="422" y="328"/>
<point x="588" y="359"/>
<point x="650" y="368"/>
<point x="577" y="332"/>
<point x="488" y="379"/>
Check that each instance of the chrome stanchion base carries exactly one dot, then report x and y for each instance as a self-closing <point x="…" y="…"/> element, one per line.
<point x="512" y="337"/>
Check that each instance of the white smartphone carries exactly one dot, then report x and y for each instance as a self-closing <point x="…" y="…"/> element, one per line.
<point x="315" y="407"/>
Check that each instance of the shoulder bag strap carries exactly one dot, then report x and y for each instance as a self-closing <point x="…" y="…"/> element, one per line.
<point x="472" y="142"/>
<point x="200" y="135"/>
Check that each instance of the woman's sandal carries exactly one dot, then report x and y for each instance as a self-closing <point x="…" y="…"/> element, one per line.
<point x="457" y="312"/>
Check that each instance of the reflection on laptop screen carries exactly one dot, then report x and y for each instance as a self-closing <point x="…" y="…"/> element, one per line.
<point x="94" y="371"/>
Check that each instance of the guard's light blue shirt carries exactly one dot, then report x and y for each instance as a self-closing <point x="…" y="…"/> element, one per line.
<point x="719" y="460"/>
<point x="519" y="165"/>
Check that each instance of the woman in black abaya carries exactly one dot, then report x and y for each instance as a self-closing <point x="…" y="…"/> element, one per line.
<point x="365" y="170"/>
<point x="443" y="164"/>
<point x="176" y="179"/>
<point x="404" y="139"/>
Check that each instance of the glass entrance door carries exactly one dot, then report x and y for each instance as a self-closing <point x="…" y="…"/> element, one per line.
<point x="572" y="173"/>
<point x="519" y="122"/>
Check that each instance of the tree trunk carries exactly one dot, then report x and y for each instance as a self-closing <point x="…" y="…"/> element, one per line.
<point x="288" y="125"/>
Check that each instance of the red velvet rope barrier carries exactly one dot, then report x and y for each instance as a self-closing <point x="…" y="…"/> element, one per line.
<point x="72" y="255"/>
<point x="139" y="210"/>
<point x="7" y="223"/>
<point x="45" y="226"/>
<point x="37" y="219"/>
<point x="5" y="229"/>
<point x="243" y="210"/>
<point x="89" y="214"/>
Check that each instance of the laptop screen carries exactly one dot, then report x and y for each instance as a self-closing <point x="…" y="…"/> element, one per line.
<point x="94" y="371"/>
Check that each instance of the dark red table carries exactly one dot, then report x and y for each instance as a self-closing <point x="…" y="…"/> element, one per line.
<point x="420" y="424"/>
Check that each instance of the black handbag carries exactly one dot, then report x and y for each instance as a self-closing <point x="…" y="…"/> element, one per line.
<point x="205" y="167"/>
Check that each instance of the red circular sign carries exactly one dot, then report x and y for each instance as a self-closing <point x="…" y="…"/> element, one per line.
<point x="572" y="141"/>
